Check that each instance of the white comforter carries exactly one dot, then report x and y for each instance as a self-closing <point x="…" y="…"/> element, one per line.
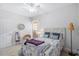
<point x="49" y="48"/>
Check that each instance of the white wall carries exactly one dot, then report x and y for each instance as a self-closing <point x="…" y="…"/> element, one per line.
<point x="60" y="18"/>
<point x="8" y="25"/>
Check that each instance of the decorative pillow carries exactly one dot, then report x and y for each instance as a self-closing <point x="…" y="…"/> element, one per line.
<point x="55" y="36"/>
<point x="46" y="34"/>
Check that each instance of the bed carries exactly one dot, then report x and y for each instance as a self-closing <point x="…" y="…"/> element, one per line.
<point x="50" y="47"/>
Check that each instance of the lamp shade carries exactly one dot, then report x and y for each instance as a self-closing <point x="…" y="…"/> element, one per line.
<point x="70" y="26"/>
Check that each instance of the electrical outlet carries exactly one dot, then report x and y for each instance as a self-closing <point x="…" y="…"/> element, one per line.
<point x="77" y="49"/>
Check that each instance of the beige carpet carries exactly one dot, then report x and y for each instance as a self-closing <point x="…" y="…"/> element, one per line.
<point x="10" y="51"/>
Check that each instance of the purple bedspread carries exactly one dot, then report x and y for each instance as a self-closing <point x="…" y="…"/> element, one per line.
<point x="35" y="42"/>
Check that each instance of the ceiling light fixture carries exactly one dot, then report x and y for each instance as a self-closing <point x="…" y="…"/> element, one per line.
<point x="32" y="7"/>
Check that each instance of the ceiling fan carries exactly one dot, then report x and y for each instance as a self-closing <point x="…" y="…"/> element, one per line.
<point x="32" y="7"/>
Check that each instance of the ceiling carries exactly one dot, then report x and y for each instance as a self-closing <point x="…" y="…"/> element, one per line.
<point x="20" y="8"/>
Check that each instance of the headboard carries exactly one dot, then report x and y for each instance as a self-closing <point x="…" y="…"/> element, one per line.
<point x="56" y="30"/>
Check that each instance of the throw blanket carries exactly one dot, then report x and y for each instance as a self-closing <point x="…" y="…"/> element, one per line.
<point x="34" y="42"/>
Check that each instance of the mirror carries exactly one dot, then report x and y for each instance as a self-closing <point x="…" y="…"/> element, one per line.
<point x="21" y="26"/>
